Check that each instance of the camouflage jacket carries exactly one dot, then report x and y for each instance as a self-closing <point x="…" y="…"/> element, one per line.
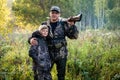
<point x="58" y="36"/>
<point x="40" y="55"/>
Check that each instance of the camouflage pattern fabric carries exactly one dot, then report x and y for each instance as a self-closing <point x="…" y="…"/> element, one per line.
<point x="41" y="60"/>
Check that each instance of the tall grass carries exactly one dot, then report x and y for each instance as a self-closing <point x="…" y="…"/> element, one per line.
<point x="95" y="55"/>
<point x="15" y="63"/>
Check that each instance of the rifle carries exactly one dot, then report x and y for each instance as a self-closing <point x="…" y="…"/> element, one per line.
<point x="75" y="18"/>
<point x="72" y="18"/>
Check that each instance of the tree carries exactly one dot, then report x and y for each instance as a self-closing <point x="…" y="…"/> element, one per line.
<point x="100" y="6"/>
<point x="33" y="12"/>
<point x="5" y="27"/>
<point x="113" y="14"/>
<point x="114" y="19"/>
<point x="87" y="9"/>
<point x="27" y="12"/>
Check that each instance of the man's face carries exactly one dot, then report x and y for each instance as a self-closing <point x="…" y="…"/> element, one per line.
<point x="44" y="32"/>
<point x="54" y="15"/>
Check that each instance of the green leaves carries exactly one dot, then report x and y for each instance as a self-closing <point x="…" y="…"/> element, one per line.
<point x="94" y="56"/>
<point x="27" y="12"/>
<point x="97" y="58"/>
<point x="4" y="18"/>
<point x="114" y="18"/>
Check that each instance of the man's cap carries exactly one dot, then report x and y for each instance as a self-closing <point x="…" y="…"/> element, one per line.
<point x="42" y="27"/>
<point x="55" y="8"/>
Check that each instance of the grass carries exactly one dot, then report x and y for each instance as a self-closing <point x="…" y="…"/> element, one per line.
<point x="95" y="55"/>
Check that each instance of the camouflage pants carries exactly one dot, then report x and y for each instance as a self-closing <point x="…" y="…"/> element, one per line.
<point x="60" y="58"/>
<point x="42" y="75"/>
<point x="61" y="67"/>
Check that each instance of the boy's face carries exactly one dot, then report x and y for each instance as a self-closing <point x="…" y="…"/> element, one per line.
<point x="44" y="32"/>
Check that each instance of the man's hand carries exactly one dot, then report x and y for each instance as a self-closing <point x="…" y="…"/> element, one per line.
<point x="71" y="23"/>
<point x="33" y="41"/>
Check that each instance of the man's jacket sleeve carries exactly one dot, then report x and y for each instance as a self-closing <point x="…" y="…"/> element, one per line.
<point x="34" y="35"/>
<point x="71" y="31"/>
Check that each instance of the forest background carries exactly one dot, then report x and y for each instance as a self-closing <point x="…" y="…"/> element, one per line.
<point x="95" y="55"/>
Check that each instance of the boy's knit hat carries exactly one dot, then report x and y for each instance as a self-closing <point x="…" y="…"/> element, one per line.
<point x="42" y="27"/>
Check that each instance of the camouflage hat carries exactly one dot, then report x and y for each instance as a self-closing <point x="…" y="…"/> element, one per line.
<point x="42" y="27"/>
<point x="55" y="8"/>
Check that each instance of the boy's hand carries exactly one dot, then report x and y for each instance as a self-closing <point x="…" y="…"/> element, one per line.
<point x="33" y="41"/>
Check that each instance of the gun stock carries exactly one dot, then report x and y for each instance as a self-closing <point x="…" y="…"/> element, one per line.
<point x="75" y="18"/>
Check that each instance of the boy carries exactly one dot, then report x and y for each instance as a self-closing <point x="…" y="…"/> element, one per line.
<point x="39" y="53"/>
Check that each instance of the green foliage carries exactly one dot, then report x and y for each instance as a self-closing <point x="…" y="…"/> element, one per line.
<point x="114" y="18"/>
<point x="4" y="13"/>
<point x="5" y="25"/>
<point x="112" y="14"/>
<point x="33" y="12"/>
<point x="94" y="56"/>
<point x="14" y="60"/>
<point x="96" y="13"/>
<point x="27" y="12"/>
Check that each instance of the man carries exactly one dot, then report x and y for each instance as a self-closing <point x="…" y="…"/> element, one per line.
<point x="58" y="30"/>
